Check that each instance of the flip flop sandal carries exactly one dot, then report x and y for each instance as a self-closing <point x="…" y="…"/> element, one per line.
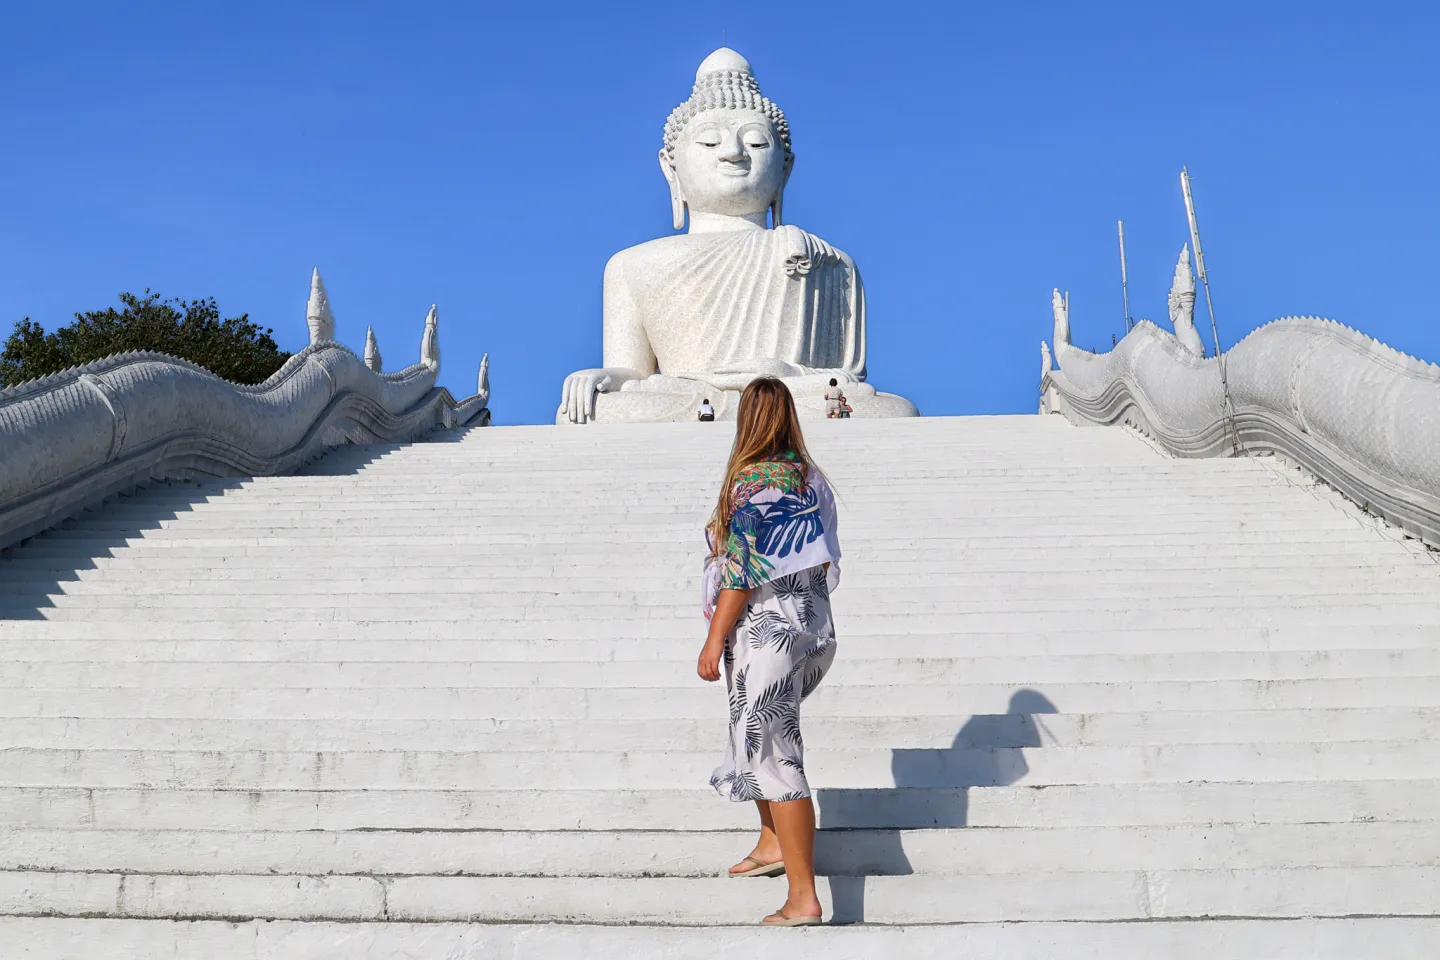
<point x="761" y="869"/>
<point x="785" y="921"/>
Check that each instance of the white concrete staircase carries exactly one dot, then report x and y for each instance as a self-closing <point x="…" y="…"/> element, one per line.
<point x="348" y="714"/>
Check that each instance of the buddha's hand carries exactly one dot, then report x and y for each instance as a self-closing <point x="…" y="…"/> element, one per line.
<point x="577" y="396"/>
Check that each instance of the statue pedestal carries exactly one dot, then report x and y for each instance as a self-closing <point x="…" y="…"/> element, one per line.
<point x="662" y="399"/>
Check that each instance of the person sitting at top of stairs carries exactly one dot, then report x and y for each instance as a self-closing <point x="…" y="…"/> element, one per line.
<point x="773" y="559"/>
<point x="707" y="412"/>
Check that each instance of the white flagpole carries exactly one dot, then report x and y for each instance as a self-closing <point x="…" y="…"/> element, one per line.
<point x="1199" y="253"/>
<point x="1209" y="305"/>
<point x="1124" y="280"/>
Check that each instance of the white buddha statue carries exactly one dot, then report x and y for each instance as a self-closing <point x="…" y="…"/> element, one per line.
<point x="740" y="294"/>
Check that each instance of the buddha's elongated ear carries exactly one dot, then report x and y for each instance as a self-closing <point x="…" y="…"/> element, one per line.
<point x="777" y="206"/>
<point x="677" y="197"/>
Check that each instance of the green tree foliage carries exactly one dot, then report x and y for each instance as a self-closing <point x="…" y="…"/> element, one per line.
<point x="234" y="349"/>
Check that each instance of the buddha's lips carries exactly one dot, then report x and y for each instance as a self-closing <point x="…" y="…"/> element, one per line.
<point x="733" y="171"/>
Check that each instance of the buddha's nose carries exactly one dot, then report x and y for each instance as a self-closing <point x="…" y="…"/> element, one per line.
<point x="731" y="150"/>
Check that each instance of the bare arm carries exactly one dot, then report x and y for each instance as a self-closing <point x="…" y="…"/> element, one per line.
<point x="626" y="346"/>
<point x="627" y="354"/>
<point x="728" y="608"/>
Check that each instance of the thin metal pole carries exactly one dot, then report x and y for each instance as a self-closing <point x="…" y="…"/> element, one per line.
<point x="1209" y="305"/>
<point x="1124" y="280"/>
<point x="1199" y="253"/>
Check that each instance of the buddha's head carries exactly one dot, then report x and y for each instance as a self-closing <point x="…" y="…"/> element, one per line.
<point x="727" y="148"/>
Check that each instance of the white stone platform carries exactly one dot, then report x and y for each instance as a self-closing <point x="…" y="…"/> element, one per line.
<point x="439" y="700"/>
<point x="673" y="400"/>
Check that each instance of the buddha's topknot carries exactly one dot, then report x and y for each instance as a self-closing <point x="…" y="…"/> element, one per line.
<point x="730" y="88"/>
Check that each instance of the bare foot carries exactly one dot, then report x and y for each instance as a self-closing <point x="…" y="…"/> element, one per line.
<point x="794" y="910"/>
<point x="808" y="907"/>
<point x="758" y="868"/>
<point x="762" y="854"/>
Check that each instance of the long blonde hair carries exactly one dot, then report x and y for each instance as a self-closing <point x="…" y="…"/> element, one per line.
<point x="766" y="426"/>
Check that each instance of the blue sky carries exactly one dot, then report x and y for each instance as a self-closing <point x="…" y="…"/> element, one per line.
<point x="489" y="158"/>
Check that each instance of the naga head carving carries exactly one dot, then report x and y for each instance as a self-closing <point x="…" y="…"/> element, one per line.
<point x="1182" y="291"/>
<point x="1060" y="306"/>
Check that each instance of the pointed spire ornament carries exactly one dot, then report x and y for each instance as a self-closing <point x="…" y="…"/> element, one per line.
<point x="430" y="344"/>
<point x="372" y="350"/>
<point x="482" y="386"/>
<point x="317" y="312"/>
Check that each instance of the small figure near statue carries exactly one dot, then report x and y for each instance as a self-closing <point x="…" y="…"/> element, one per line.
<point x="740" y="294"/>
<point x="836" y="406"/>
<point x="707" y="412"/>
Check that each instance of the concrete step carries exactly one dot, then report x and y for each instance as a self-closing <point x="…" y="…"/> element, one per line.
<point x="857" y="596"/>
<point x="951" y="500"/>
<point x="680" y="470"/>
<point x="694" y="489"/>
<point x="709" y="853"/>
<point x="859" y="574"/>
<point x="920" y="898"/>
<point x="670" y="573"/>
<point x="959" y="554"/>
<point x="395" y="515"/>
<point x="657" y="503"/>
<point x="877" y="541"/>
<point x="698" y="489"/>
<point x="695" y="700"/>
<point x="934" y="609"/>
<point x="456" y="641"/>
<point x="826" y="766"/>
<point x="1401" y="938"/>
<point x="254" y="578"/>
<point x="523" y="529"/>
<point x="1049" y="807"/>
<point x="673" y="664"/>
<point x="538" y="622"/>
<point x="1150" y="729"/>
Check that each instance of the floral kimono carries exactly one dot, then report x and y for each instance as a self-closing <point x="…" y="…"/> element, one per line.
<point x="782" y="535"/>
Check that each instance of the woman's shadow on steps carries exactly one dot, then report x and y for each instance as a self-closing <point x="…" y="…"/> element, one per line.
<point x="860" y="833"/>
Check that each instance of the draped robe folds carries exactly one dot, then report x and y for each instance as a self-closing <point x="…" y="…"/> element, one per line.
<point x="715" y="303"/>
<point x="703" y="314"/>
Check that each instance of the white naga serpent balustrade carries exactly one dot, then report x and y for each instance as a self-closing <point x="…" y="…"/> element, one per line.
<point x="1356" y="413"/>
<point x="76" y="437"/>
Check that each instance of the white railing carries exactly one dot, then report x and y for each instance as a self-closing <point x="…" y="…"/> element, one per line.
<point x="1357" y="414"/>
<point x="72" y="439"/>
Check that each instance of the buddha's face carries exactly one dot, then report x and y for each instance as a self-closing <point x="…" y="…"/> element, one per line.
<point x="730" y="162"/>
